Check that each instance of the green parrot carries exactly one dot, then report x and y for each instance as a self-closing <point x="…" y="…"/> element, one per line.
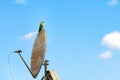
<point x="41" y="26"/>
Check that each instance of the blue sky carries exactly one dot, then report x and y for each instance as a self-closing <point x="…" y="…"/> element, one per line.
<point x="83" y="37"/>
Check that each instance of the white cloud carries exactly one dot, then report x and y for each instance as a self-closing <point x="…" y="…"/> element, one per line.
<point x="28" y="36"/>
<point x="112" y="40"/>
<point x="23" y="2"/>
<point x="105" y="55"/>
<point x="113" y="2"/>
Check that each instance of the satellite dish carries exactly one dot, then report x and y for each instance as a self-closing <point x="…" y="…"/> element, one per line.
<point x="38" y="52"/>
<point x="37" y="57"/>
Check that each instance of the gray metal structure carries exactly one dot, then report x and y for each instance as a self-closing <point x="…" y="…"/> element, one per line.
<point x="46" y="76"/>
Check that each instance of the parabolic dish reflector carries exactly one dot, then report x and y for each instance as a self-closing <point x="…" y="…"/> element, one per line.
<point x="38" y="52"/>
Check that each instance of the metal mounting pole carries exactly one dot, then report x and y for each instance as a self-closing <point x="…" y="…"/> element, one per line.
<point x="45" y="65"/>
<point x="45" y="70"/>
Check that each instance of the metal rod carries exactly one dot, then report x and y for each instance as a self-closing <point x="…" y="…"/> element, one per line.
<point x="45" y="69"/>
<point x="26" y="65"/>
